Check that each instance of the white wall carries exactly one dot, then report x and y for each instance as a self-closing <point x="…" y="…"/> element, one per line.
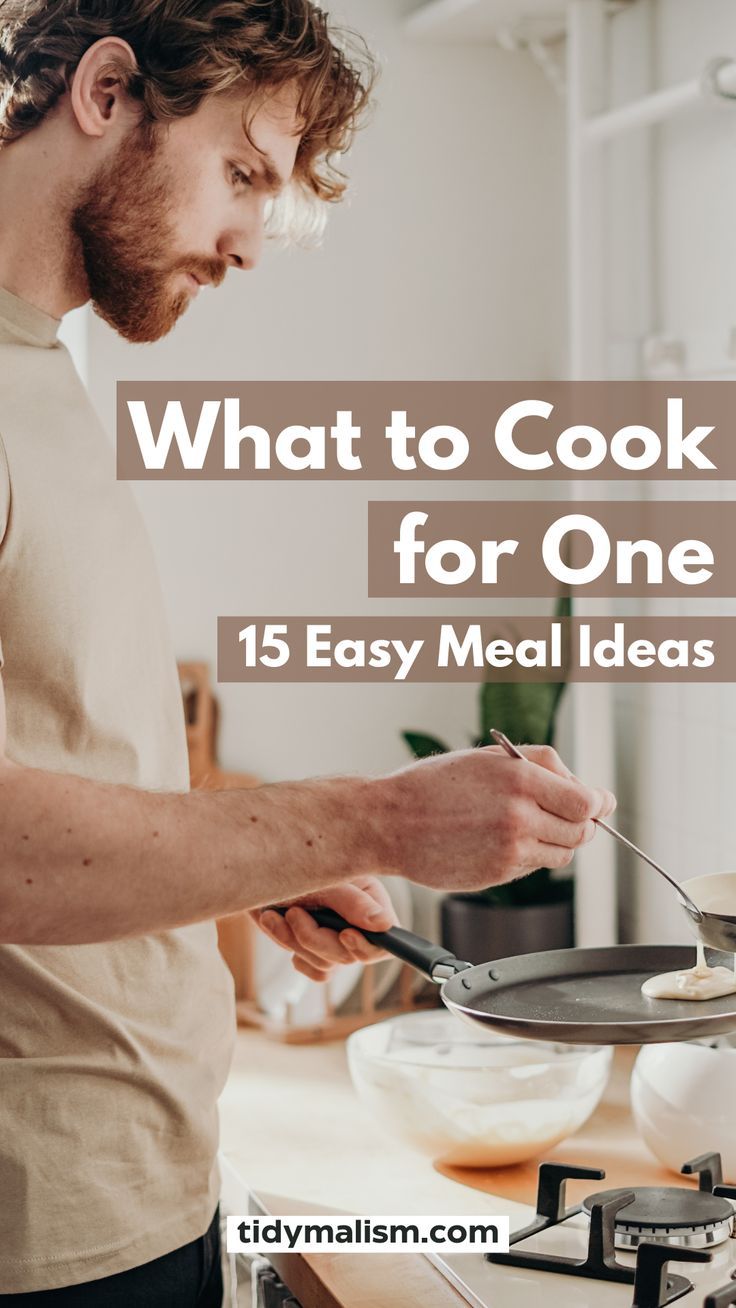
<point x="677" y="744"/>
<point x="74" y="332"/>
<point x="447" y="262"/>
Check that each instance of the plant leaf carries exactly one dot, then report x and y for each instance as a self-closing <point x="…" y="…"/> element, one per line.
<point x="524" y="711"/>
<point x="423" y="746"/>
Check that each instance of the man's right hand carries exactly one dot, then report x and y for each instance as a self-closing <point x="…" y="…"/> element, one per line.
<point x="477" y="818"/>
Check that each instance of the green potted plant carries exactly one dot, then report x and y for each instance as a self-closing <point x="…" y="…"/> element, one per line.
<point x="536" y="912"/>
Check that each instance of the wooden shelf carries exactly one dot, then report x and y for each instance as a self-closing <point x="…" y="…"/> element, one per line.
<point x="481" y="20"/>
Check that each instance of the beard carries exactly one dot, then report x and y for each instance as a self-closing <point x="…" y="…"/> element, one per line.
<point x="125" y="238"/>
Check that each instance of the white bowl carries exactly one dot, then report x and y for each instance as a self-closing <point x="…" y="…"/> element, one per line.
<point x="474" y="1099"/>
<point x="715" y="892"/>
<point x="682" y="1098"/>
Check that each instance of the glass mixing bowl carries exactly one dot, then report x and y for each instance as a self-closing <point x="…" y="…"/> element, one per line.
<point x="474" y="1100"/>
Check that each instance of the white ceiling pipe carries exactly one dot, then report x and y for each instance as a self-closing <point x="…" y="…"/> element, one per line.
<point x="717" y="82"/>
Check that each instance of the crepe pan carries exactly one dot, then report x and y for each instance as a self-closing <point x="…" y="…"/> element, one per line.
<point x="575" y="996"/>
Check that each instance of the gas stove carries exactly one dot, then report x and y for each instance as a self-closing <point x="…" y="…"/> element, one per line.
<point x="639" y="1248"/>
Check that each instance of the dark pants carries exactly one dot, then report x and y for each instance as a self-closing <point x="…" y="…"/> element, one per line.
<point x="190" y="1277"/>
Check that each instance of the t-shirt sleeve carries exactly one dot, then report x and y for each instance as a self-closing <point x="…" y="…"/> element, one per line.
<point x="4" y="516"/>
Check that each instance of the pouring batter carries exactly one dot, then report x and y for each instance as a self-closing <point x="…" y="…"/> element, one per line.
<point x="697" y="983"/>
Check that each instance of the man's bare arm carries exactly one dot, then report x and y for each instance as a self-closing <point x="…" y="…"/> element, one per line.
<point x="82" y="861"/>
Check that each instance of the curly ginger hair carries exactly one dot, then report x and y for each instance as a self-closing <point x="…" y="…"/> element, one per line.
<point x="189" y="49"/>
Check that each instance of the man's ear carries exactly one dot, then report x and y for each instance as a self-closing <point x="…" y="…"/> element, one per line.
<point x="98" y="90"/>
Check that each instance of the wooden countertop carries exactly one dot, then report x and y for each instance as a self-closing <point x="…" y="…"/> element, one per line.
<point x="294" y="1131"/>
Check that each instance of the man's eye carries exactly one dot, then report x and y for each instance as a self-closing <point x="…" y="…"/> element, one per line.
<point x="238" y="177"/>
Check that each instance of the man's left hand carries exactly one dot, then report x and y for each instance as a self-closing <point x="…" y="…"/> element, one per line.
<point x="316" y="950"/>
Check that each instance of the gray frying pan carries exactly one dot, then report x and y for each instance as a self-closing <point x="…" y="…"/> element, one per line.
<point x="576" y="996"/>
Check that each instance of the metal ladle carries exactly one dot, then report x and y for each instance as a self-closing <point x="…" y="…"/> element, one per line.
<point x="714" y="929"/>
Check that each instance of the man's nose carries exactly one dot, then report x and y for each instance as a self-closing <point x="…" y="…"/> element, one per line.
<point x="242" y="247"/>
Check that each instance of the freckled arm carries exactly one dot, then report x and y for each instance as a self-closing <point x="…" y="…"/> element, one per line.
<point x="83" y="862"/>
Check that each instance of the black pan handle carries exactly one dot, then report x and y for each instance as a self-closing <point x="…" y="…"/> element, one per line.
<point x="434" y="961"/>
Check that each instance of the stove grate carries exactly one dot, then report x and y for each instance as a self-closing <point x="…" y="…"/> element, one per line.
<point x="722" y="1298"/>
<point x="654" y="1286"/>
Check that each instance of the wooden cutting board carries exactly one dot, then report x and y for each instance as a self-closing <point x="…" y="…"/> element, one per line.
<point x="609" y="1140"/>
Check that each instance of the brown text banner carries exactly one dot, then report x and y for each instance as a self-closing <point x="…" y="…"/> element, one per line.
<point x="535" y="548"/>
<point x="374" y="649"/>
<point x="408" y="431"/>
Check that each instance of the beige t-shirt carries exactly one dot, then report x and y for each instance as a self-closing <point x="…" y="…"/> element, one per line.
<point x="112" y="1056"/>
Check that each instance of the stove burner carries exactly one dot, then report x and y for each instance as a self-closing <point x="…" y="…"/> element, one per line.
<point x="690" y="1219"/>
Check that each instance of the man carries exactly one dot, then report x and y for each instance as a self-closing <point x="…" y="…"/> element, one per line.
<point x="142" y="144"/>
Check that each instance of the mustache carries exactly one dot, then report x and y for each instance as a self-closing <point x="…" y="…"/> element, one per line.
<point x="206" y="270"/>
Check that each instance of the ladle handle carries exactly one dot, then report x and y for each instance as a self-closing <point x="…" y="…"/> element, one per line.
<point x="692" y="907"/>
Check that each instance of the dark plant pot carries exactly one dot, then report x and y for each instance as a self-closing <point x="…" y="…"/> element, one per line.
<point x="479" y="932"/>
